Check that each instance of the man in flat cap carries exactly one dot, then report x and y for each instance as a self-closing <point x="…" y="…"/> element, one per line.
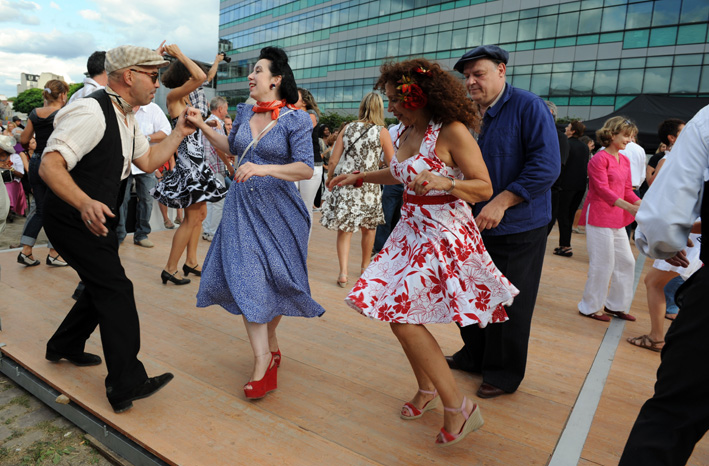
<point x="520" y="147"/>
<point x="87" y="157"/>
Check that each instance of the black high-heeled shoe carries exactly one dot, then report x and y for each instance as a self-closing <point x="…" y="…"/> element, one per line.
<point x="188" y="270"/>
<point x="165" y="276"/>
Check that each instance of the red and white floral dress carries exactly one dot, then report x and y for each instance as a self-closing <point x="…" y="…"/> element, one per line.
<point x="434" y="267"/>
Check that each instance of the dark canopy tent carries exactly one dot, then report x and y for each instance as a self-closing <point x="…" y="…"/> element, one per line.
<point x="648" y="111"/>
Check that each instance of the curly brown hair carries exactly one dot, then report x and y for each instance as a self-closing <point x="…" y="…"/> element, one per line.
<point x="447" y="99"/>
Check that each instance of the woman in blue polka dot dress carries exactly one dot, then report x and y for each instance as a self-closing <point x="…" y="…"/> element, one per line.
<point x="256" y="265"/>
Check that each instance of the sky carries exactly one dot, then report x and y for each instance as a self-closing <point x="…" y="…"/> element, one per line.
<point x="58" y="36"/>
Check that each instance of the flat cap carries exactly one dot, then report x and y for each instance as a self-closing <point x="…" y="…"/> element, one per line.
<point x="493" y="52"/>
<point x="131" y="55"/>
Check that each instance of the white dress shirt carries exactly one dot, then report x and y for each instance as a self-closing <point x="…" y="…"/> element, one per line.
<point x="674" y="199"/>
<point x="151" y="119"/>
<point x="638" y="162"/>
<point x="80" y="126"/>
<point x="90" y="86"/>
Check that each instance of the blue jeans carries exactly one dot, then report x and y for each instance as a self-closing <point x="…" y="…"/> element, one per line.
<point x="670" y="290"/>
<point x="143" y="184"/>
<point x="392" y="200"/>
<point x="36" y="219"/>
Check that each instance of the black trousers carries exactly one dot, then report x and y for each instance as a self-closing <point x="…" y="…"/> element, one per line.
<point x="568" y="205"/>
<point x="107" y="300"/>
<point x="499" y="351"/>
<point x="677" y="416"/>
<point x="555" y="194"/>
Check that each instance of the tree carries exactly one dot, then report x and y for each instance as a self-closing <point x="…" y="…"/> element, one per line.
<point x="28" y="100"/>
<point x="333" y="120"/>
<point x="73" y="88"/>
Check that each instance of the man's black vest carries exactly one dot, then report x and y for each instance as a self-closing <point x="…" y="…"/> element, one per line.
<point x="99" y="172"/>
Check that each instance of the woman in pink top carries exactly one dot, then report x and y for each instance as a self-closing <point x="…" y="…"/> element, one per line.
<point x="609" y="207"/>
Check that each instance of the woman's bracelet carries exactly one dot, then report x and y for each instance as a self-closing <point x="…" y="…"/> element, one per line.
<point x="452" y="184"/>
<point x="360" y="181"/>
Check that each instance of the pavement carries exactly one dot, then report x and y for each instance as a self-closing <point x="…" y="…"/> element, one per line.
<point x="31" y="433"/>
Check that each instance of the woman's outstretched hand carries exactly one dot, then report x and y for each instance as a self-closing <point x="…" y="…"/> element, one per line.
<point x="345" y="179"/>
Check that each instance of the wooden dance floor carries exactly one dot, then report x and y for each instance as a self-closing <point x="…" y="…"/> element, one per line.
<point x="343" y="377"/>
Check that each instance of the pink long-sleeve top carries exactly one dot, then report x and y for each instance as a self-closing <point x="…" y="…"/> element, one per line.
<point x="608" y="180"/>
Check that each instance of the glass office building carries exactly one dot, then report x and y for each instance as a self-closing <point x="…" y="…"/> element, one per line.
<point x="589" y="57"/>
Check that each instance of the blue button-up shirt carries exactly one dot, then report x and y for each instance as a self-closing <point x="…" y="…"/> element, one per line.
<point x="521" y="150"/>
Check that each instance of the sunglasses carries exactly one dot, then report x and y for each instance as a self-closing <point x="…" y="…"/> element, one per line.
<point x="153" y="76"/>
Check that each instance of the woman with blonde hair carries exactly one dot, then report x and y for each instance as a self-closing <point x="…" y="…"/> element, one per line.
<point x="610" y="206"/>
<point x="357" y="149"/>
<point x="40" y="124"/>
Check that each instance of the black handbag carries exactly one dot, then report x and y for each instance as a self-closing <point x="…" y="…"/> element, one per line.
<point x="6" y="175"/>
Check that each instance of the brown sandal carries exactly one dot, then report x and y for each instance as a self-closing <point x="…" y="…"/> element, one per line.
<point x="644" y="341"/>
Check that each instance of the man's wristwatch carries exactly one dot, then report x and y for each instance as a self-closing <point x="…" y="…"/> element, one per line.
<point x="148" y="139"/>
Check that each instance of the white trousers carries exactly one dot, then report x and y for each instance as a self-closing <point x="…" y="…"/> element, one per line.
<point x="214" y="213"/>
<point x="610" y="260"/>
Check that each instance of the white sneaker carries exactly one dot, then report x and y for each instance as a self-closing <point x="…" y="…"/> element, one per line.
<point x="145" y="242"/>
<point x="207" y="237"/>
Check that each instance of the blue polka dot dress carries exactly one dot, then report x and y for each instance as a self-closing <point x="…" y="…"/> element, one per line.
<point x="256" y="264"/>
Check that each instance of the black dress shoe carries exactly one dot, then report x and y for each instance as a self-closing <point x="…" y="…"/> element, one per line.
<point x="489" y="391"/>
<point x="84" y="359"/>
<point x="165" y="277"/>
<point x="144" y="390"/>
<point x="452" y="364"/>
<point x="191" y="270"/>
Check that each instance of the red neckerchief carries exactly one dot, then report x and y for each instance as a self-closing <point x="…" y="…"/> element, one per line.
<point x="274" y="107"/>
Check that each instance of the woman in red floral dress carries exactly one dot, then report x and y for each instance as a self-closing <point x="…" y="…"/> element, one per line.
<point x="434" y="268"/>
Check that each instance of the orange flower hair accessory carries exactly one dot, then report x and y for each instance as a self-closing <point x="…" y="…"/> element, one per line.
<point x="410" y="92"/>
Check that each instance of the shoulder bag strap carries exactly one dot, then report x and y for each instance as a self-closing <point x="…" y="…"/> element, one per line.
<point x="254" y="142"/>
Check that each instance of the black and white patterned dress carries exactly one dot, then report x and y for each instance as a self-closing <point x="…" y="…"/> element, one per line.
<point x="349" y="208"/>
<point x="191" y="180"/>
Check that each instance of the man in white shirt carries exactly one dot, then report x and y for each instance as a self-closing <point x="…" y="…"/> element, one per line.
<point x="638" y="161"/>
<point x="97" y="78"/>
<point x="677" y="416"/>
<point x="218" y="162"/>
<point x="155" y="126"/>
<point x="87" y="156"/>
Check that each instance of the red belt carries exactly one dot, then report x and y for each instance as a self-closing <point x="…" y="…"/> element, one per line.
<point x="429" y="200"/>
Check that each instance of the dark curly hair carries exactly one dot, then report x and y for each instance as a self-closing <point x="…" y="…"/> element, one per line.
<point x="447" y="99"/>
<point x="177" y="74"/>
<point x="279" y="67"/>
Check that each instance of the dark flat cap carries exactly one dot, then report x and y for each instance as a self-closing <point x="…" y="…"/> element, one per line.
<point x="493" y="52"/>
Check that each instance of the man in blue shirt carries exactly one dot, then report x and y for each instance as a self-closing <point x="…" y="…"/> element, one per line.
<point x="520" y="147"/>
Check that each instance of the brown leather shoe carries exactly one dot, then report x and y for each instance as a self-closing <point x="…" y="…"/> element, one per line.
<point x="620" y="315"/>
<point x="489" y="391"/>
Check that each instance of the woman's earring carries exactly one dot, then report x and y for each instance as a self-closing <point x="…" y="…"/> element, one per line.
<point x="273" y="86"/>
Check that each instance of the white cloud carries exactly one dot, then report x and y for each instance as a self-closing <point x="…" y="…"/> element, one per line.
<point x="14" y="64"/>
<point x="97" y="25"/>
<point x="51" y="44"/>
<point x="91" y="15"/>
<point x="18" y="11"/>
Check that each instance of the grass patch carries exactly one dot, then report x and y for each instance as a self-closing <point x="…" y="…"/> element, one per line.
<point x="22" y="400"/>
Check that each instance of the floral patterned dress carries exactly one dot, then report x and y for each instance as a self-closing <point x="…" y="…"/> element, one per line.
<point x="434" y="267"/>
<point x="349" y="208"/>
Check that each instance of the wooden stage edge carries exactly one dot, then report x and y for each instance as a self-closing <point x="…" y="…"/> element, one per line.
<point x="343" y="377"/>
